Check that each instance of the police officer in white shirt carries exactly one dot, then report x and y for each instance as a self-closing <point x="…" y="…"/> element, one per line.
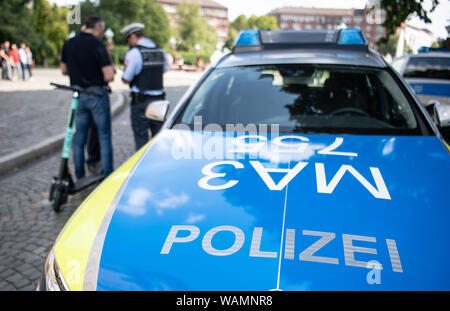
<point x="145" y="64"/>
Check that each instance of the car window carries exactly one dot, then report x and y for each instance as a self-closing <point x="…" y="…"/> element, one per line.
<point x="398" y="63"/>
<point x="428" y="67"/>
<point x="302" y="97"/>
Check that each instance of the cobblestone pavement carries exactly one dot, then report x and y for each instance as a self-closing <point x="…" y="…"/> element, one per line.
<point x="30" y="117"/>
<point x="28" y="225"/>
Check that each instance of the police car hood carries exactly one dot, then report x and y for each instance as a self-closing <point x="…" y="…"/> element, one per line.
<point x="215" y="211"/>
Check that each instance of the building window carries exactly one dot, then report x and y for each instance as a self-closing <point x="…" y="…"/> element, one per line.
<point x="170" y="9"/>
<point x="212" y="22"/>
<point x="358" y="19"/>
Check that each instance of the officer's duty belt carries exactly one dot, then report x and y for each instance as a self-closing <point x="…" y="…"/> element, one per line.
<point x="139" y="97"/>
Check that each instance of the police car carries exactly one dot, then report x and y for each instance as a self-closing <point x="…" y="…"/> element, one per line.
<point x="428" y="74"/>
<point x="300" y="161"/>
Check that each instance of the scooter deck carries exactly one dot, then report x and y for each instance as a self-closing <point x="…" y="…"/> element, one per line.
<point x="85" y="182"/>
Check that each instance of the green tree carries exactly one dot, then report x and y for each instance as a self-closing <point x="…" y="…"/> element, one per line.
<point x="241" y="22"/>
<point x="119" y="13"/>
<point x="391" y="46"/>
<point x="16" y="22"/>
<point x="262" y="22"/>
<point x="52" y="29"/>
<point x="36" y="23"/>
<point x="157" y="23"/>
<point x="193" y="29"/>
<point x="397" y="11"/>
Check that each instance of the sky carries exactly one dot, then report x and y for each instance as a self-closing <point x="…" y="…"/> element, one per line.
<point x="440" y="17"/>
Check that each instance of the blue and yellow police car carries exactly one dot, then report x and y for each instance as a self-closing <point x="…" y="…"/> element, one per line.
<point x="299" y="161"/>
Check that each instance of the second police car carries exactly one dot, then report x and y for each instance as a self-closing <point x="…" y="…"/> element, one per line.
<point x="300" y="161"/>
<point x="428" y="74"/>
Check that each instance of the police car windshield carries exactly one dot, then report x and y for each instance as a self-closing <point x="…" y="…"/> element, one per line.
<point x="428" y="67"/>
<point x="303" y="98"/>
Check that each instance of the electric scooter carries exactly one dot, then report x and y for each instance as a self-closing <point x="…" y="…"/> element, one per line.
<point x="63" y="184"/>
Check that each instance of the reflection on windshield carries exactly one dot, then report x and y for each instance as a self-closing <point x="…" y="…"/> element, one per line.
<point x="302" y="98"/>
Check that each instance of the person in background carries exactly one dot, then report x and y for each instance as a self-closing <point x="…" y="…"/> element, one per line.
<point x="180" y="62"/>
<point x="29" y="60"/>
<point x="145" y="79"/>
<point x="86" y="61"/>
<point x="6" y="65"/>
<point x="3" y="60"/>
<point x="23" y="59"/>
<point x="15" y="62"/>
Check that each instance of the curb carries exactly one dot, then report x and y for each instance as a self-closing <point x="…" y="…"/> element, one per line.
<point x="17" y="159"/>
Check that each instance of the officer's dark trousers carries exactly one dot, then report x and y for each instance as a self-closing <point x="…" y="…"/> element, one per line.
<point x="140" y="124"/>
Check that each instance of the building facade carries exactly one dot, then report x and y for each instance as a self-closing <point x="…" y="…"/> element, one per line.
<point x="415" y="37"/>
<point x="215" y="13"/>
<point x="370" y="22"/>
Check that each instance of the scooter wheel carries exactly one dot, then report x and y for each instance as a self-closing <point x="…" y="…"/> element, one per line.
<point x="58" y="200"/>
<point x="51" y="194"/>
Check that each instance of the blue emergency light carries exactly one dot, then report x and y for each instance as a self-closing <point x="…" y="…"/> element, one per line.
<point x="248" y="38"/>
<point x="351" y="36"/>
<point x="256" y="40"/>
<point x="425" y="49"/>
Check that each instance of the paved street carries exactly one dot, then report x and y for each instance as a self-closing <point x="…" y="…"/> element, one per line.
<point x="36" y="114"/>
<point x="28" y="225"/>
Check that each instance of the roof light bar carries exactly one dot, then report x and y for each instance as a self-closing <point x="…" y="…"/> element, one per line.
<point x="351" y="36"/>
<point x="248" y="37"/>
<point x="255" y="40"/>
<point x="425" y="49"/>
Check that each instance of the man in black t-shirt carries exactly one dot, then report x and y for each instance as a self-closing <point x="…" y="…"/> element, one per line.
<point x="88" y="64"/>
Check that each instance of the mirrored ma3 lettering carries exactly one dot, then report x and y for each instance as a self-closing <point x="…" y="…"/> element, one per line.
<point x="297" y="145"/>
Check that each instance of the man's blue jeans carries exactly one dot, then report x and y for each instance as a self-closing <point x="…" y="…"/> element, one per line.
<point x="98" y="109"/>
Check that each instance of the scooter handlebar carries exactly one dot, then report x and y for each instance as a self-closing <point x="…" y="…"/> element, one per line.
<point x="77" y="89"/>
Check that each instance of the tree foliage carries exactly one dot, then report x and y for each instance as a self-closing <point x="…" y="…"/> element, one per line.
<point x="119" y="13"/>
<point x="390" y="46"/>
<point x="397" y="11"/>
<point x="37" y="24"/>
<point x="253" y="22"/>
<point x="194" y="30"/>
<point x="15" y="20"/>
<point x="52" y="29"/>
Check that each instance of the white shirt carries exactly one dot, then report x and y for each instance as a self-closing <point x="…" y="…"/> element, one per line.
<point x="23" y="56"/>
<point x="133" y="63"/>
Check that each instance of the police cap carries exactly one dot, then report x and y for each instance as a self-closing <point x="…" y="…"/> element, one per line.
<point x="132" y="28"/>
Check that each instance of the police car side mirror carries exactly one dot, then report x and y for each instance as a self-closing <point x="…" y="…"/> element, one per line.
<point x="442" y="115"/>
<point x="439" y="113"/>
<point x="157" y="110"/>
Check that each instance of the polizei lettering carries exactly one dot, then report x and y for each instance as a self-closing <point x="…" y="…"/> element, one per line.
<point x="350" y="250"/>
